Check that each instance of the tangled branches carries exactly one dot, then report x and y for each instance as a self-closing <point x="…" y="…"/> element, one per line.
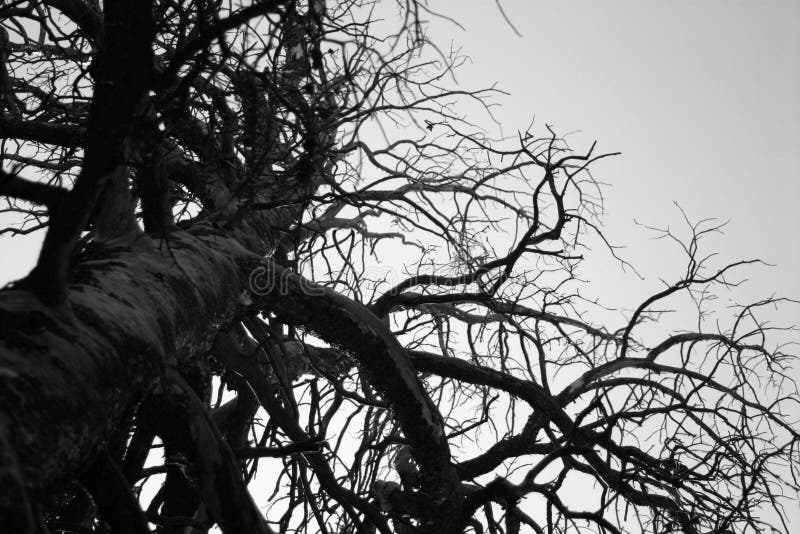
<point x="217" y="330"/>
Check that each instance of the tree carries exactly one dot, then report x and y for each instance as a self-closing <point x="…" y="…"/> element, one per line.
<point x="218" y="183"/>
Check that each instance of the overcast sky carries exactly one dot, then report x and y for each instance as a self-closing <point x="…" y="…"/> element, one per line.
<point x="701" y="98"/>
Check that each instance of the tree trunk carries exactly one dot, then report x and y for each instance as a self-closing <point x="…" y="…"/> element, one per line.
<point x="66" y="381"/>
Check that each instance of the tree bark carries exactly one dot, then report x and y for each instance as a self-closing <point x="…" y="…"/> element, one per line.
<point x="66" y="381"/>
<point x="142" y="307"/>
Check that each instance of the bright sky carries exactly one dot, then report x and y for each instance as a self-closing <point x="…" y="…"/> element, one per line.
<point x="701" y="98"/>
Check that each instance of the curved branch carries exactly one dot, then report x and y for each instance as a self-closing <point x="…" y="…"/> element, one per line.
<point x="351" y="325"/>
<point x="178" y="416"/>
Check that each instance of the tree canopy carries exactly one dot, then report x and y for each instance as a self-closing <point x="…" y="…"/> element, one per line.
<point x="287" y="285"/>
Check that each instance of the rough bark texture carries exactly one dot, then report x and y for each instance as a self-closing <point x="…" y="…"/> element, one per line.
<point x="68" y="381"/>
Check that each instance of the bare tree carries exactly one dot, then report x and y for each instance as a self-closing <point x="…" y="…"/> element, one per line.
<point x="218" y="184"/>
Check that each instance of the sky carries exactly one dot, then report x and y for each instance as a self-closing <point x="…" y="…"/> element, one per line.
<point x="701" y="98"/>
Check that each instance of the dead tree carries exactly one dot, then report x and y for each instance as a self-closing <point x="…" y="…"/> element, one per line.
<point x="217" y="184"/>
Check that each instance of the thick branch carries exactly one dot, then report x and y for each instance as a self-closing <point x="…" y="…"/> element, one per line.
<point x="349" y="324"/>
<point x="42" y="132"/>
<point x="124" y="76"/>
<point x="33" y="192"/>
